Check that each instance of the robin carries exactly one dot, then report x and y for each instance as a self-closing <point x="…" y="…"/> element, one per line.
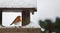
<point x="17" y="20"/>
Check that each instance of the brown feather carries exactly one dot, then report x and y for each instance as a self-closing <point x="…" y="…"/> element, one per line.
<point x="18" y="19"/>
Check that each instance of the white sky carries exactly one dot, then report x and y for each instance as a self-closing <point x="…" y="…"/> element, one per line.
<point x="48" y="9"/>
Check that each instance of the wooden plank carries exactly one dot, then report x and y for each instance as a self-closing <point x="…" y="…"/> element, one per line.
<point x="1" y="18"/>
<point x="31" y="9"/>
<point x="21" y="30"/>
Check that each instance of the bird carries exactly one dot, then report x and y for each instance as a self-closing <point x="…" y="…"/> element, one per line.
<point x="17" y="20"/>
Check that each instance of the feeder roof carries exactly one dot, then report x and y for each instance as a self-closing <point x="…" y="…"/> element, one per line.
<point x="18" y="3"/>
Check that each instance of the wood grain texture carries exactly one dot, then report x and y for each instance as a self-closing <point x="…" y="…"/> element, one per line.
<point x="19" y="30"/>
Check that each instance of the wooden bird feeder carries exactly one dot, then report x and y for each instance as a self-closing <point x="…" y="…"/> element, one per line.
<point x="26" y="6"/>
<point x="25" y="14"/>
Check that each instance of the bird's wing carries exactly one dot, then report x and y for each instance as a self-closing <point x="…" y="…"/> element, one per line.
<point x="14" y="21"/>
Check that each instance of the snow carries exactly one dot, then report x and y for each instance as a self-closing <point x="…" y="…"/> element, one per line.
<point x="18" y="3"/>
<point x="31" y="25"/>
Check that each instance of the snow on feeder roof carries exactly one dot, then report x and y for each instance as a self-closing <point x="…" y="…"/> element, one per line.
<point x="18" y="3"/>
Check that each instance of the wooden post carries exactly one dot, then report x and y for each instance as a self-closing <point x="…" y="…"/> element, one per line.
<point x="0" y="17"/>
<point x="25" y="17"/>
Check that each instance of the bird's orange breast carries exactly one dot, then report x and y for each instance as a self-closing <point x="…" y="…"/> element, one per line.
<point x="19" y="19"/>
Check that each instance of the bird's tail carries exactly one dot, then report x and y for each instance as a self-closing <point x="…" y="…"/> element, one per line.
<point x="11" y="23"/>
